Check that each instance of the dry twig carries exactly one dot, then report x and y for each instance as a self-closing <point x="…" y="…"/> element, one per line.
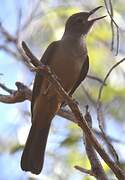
<point x="21" y="94"/>
<point x="96" y="167"/>
<point x="100" y="116"/>
<point x="110" y="12"/>
<point x="105" y="79"/>
<point x="96" y="79"/>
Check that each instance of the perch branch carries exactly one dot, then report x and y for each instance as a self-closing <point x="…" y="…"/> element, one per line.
<point x="96" y="167"/>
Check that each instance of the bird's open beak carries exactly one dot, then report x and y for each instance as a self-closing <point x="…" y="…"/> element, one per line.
<point x="93" y="11"/>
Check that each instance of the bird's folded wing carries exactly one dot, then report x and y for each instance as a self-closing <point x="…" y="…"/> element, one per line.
<point x="46" y="58"/>
<point x="82" y="76"/>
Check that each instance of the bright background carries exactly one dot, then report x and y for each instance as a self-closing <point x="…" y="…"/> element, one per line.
<point x="65" y="147"/>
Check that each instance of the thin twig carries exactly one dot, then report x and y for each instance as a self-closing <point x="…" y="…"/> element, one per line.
<point x="14" y="39"/>
<point x="110" y="146"/>
<point x="19" y="16"/>
<point x="96" y="166"/>
<point x="95" y="78"/>
<point x="100" y="116"/>
<point x="5" y="88"/>
<point x="30" y="17"/>
<point x="9" y="51"/>
<point x="83" y="170"/>
<point x="113" y="22"/>
<point x="106" y="77"/>
<point x="31" y="57"/>
<point x="112" y="25"/>
<point x="99" y="112"/>
<point x="7" y="35"/>
<point x="21" y="94"/>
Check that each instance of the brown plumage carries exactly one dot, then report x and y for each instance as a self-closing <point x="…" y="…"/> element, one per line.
<point x="69" y="60"/>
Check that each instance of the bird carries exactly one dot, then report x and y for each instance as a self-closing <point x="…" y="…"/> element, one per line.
<point x="68" y="59"/>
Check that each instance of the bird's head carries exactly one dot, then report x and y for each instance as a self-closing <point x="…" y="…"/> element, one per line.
<point x="79" y="23"/>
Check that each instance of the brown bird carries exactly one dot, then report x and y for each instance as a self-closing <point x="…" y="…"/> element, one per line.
<point x="68" y="58"/>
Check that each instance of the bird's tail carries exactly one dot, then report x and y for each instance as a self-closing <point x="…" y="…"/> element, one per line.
<point x="33" y="155"/>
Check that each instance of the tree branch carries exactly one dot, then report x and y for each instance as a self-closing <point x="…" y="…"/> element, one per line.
<point x="96" y="167"/>
<point x="100" y="116"/>
<point x="21" y="94"/>
<point x="110" y="12"/>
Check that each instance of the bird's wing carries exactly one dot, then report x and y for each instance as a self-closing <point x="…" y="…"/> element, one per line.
<point x="82" y="76"/>
<point x="46" y="58"/>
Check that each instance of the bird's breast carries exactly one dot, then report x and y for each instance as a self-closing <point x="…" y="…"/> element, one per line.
<point x="67" y="65"/>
